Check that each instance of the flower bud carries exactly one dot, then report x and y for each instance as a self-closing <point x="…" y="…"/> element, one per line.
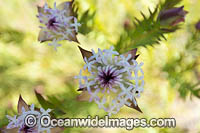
<point x="172" y="17"/>
<point x="198" y="26"/>
<point x="127" y="24"/>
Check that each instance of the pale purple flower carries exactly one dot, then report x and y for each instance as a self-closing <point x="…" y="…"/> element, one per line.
<point x="18" y="122"/>
<point x="113" y="79"/>
<point x="57" y="23"/>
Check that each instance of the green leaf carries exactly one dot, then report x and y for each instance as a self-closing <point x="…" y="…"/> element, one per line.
<point x="147" y="31"/>
<point x="87" y="22"/>
<point x="46" y="104"/>
<point x="169" y="4"/>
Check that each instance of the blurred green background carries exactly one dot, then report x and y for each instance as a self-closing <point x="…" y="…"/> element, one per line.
<point x="171" y="68"/>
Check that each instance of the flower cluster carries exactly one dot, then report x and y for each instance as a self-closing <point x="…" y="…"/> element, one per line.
<point x="57" y="24"/>
<point x="113" y="80"/>
<point x="18" y="122"/>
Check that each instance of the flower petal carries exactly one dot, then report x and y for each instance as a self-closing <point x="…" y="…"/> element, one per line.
<point x="68" y="6"/>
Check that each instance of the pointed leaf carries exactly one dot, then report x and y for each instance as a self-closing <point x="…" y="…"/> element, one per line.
<point x="22" y="103"/>
<point x="45" y="104"/>
<point x="150" y="11"/>
<point x="137" y="20"/>
<point x="73" y="38"/>
<point x="85" y="53"/>
<point x="68" y="7"/>
<point x="133" y="54"/>
<point x="84" y="96"/>
<point x="43" y="37"/>
<point x="49" y="105"/>
<point x="85" y="19"/>
<point x="136" y="107"/>
<point x="143" y="15"/>
<point x="40" y="9"/>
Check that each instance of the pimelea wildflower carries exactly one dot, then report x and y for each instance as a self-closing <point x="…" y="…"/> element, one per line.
<point x="113" y="81"/>
<point x="57" y="23"/>
<point x="17" y="123"/>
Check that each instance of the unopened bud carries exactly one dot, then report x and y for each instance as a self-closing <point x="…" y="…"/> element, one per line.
<point x="173" y="16"/>
<point x="198" y="26"/>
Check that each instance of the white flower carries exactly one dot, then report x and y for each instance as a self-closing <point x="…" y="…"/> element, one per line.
<point x="57" y="23"/>
<point x="113" y="81"/>
<point x="18" y="122"/>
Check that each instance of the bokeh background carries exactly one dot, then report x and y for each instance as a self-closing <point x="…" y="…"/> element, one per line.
<point x="171" y="68"/>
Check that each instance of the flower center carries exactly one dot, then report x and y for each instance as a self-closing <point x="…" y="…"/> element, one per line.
<point x="26" y="129"/>
<point x="51" y="23"/>
<point x="108" y="76"/>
